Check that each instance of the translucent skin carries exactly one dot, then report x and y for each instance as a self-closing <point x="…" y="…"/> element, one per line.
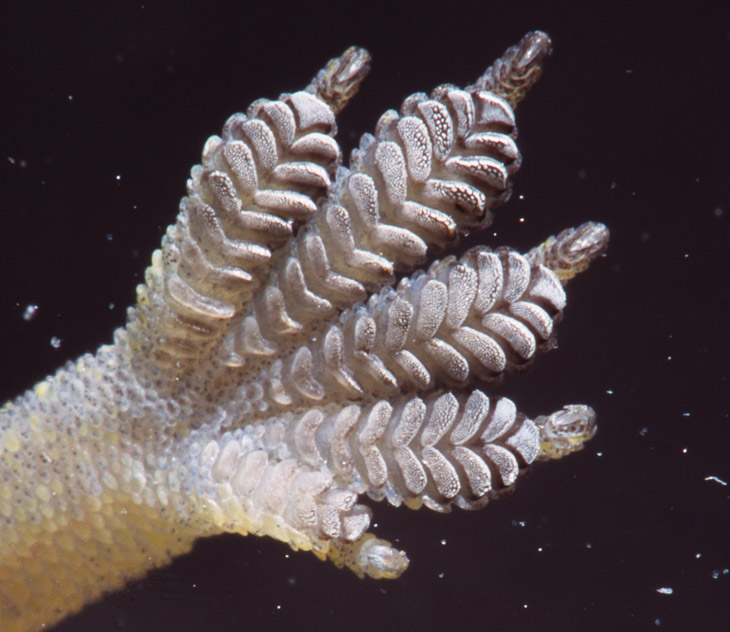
<point x="269" y="376"/>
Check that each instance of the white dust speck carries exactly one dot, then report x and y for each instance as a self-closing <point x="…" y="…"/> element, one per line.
<point x="30" y="312"/>
<point x="665" y="590"/>
<point x="56" y="342"/>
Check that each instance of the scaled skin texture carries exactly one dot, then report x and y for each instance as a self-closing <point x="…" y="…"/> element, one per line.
<point x="286" y="355"/>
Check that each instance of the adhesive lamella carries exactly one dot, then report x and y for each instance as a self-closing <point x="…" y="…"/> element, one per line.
<point x="289" y="350"/>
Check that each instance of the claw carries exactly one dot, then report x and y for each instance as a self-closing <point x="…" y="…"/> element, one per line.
<point x="513" y="74"/>
<point x="370" y="556"/>
<point x="340" y="79"/>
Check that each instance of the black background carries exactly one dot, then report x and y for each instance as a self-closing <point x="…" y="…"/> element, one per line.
<point x="106" y="106"/>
